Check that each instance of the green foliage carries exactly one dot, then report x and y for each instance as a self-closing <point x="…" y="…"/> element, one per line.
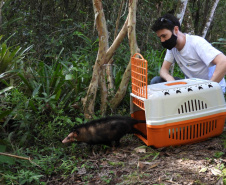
<point x="25" y="172"/>
<point x="28" y="124"/>
<point x="155" y="59"/>
<point x="13" y="106"/>
<point x="220" y="44"/>
<point x="38" y="110"/>
<point x="5" y="159"/>
<point x="218" y="154"/>
<point x="223" y="136"/>
<point x="49" y="84"/>
<point x="42" y="105"/>
<point x="11" y="59"/>
<point x="29" y="177"/>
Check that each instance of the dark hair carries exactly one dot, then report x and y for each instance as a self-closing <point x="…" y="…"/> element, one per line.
<point x="168" y="21"/>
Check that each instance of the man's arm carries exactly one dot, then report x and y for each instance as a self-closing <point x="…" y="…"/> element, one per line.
<point x="164" y="71"/>
<point x="220" y="71"/>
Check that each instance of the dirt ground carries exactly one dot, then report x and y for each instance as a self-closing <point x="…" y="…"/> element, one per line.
<point x="135" y="163"/>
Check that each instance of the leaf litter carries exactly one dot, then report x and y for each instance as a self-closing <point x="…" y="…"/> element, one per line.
<point x="135" y="163"/>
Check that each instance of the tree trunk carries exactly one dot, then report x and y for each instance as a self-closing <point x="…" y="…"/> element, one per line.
<point x="110" y="53"/>
<point x="108" y="91"/>
<point x="117" y="41"/>
<point x="180" y="11"/>
<point x="132" y="27"/>
<point x="210" y="18"/>
<point x="89" y="100"/>
<point x="104" y="55"/>
<point x="197" y="16"/>
<point x="133" y="49"/>
<point x="181" y="8"/>
<point x="109" y="66"/>
<point x="103" y="91"/>
<point x="188" y="22"/>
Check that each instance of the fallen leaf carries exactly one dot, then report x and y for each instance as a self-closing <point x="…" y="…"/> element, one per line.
<point x="183" y="153"/>
<point x="154" y="165"/>
<point x="140" y="165"/>
<point x="149" y="164"/>
<point x="82" y="171"/>
<point x="104" y="163"/>
<point x="215" y="171"/>
<point x="203" y="170"/>
<point x="140" y="150"/>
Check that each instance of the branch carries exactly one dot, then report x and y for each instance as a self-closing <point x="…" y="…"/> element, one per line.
<point x="133" y="49"/>
<point x="19" y="157"/>
<point x="109" y="54"/>
<point x="132" y="27"/>
<point x="117" y="42"/>
<point x="101" y="26"/>
<point x="118" y="18"/>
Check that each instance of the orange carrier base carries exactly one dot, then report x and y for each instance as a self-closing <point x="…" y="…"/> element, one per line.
<point x="178" y="133"/>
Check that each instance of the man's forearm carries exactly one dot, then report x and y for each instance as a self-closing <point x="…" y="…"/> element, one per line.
<point x="165" y="75"/>
<point x="220" y="70"/>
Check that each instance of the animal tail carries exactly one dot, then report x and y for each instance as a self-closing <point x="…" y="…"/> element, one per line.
<point x="141" y="121"/>
<point x="138" y="132"/>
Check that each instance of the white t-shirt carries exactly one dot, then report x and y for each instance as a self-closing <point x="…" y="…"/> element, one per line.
<point x="195" y="58"/>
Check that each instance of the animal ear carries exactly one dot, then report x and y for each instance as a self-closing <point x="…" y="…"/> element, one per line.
<point x="76" y="133"/>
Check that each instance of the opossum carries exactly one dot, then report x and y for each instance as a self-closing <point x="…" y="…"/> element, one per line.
<point x="104" y="131"/>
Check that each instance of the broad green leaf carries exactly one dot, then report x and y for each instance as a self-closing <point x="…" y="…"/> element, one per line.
<point x="5" y="113"/>
<point x="6" y="89"/>
<point x="5" y="159"/>
<point x="25" y="81"/>
<point x="36" y="90"/>
<point x="32" y="105"/>
<point x="58" y="94"/>
<point x="79" y="120"/>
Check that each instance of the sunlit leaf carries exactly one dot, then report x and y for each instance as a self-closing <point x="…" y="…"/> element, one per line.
<point x="69" y="77"/>
<point x="203" y="170"/>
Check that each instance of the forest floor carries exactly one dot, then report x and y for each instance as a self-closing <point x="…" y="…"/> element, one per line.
<point x="135" y="163"/>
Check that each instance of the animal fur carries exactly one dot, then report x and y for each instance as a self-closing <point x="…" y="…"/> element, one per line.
<point x="104" y="131"/>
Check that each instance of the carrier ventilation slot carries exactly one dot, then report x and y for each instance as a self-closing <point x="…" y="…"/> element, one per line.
<point x="191" y="132"/>
<point x="192" y="105"/>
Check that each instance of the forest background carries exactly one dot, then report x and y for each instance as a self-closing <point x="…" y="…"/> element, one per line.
<point x="48" y="52"/>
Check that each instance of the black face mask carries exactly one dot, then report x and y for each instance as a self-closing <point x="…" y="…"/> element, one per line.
<point x="170" y="43"/>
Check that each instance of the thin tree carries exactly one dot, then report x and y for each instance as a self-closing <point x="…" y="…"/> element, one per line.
<point x="180" y="11"/>
<point x="133" y="49"/>
<point x="104" y="56"/>
<point x="1" y="5"/>
<point x="89" y="100"/>
<point x="209" y="18"/>
<point x="181" y="8"/>
<point x="188" y="22"/>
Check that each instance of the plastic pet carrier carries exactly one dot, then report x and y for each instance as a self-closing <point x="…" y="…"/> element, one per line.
<point x="177" y="112"/>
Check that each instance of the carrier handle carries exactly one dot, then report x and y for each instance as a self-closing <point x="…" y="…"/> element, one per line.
<point x="176" y="83"/>
<point x="139" y="55"/>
